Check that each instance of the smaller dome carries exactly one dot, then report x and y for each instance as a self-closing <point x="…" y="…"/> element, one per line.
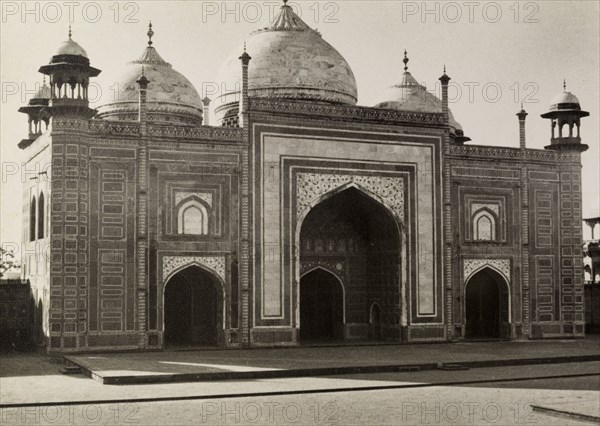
<point x="42" y="96"/>
<point x="564" y="98"/>
<point x="170" y="96"/>
<point x="43" y="92"/>
<point x="410" y="96"/>
<point x="564" y="101"/>
<point x="70" y="47"/>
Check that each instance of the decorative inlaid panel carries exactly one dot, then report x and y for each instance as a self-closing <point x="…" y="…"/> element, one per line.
<point x="69" y="256"/>
<point x="354" y="113"/>
<point x="543" y="218"/>
<point x="544" y="274"/>
<point x="113" y="207"/>
<point x="497" y="201"/>
<point x="204" y="196"/>
<point x="470" y="266"/>
<point x="334" y="266"/>
<point x="112" y="281"/>
<point x="310" y="186"/>
<point x="508" y="153"/>
<point x="210" y="190"/>
<point x="490" y="206"/>
<point x="214" y="263"/>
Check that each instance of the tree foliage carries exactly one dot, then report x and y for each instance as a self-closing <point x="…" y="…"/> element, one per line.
<point x="7" y="261"/>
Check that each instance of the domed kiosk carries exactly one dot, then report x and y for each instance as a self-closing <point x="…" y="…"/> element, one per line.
<point x="38" y="113"/>
<point x="171" y="98"/>
<point x="410" y="96"/>
<point x="565" y="110"/>
<point x="290" y="61"/>
<point x="70" y="72"/>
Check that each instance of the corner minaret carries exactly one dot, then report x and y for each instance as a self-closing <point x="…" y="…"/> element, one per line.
<point x="243" y="115"/>
<point x="444" y="79"/>
<point x="70" y="73"/>
<point x="205" y="111"/>
<point x="522" y="115"/>
<point x="565" y="114"/>
<point x="457" y="135"/>
<point x="143" y="87"/>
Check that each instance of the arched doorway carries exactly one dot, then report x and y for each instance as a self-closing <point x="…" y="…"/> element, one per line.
<point x="357" y="235"/>
<point x="192" y="313"/>
<point x="486" y="306"/>
<point x="321" y="307"/>
<point x="375" y="321"/>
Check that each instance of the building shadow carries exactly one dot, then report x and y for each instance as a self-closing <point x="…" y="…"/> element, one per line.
<point x="20" y="317"/>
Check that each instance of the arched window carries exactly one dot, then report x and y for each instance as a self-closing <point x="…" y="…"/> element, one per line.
<point x="192" y="219"/>
<point x="41" y="217"/>
<point x="375" y="314"/>
<point x="587" y="274"/>
<point x="32" y="211"/>
<point x="484" y="226"/>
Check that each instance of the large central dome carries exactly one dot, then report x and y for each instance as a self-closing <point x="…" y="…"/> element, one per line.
<point x="289" y="61"/>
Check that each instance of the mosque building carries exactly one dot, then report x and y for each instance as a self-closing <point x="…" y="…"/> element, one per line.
<point x="298" y="216"/>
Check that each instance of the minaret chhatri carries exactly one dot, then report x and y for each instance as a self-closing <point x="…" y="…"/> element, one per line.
<point x="565" y="114"/>
<point x="70" y="72"/>
<point x="37" y="113"/>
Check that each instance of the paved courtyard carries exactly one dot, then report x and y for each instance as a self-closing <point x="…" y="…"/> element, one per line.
<point x="32" y="383"/>
<point x="263" y="363"/>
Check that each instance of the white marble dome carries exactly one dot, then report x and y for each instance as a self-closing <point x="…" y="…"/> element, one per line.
<point x="410" y="96"/>
<point x="564" y="100"/>
<point x="171" y="98"/>
<point x="70" y="47"/>
<point x="43" y="92"/>
<point x="289" y="61"/>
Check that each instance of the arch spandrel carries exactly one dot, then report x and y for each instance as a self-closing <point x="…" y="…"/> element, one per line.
<point x="313" y="188"/>
<point x="472" y="266"/>
<point x="174" y="264"/>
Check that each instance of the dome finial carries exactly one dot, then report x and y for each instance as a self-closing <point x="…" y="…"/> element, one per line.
<point x="69" y="31"/>
<point x="285" y="2"/>
<point x="150" y="33"/>
<point x="564" y="84"/>
<point x="405" y="60"/>
<point x="245" y="58"/>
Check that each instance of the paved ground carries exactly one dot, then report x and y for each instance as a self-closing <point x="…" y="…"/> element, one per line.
<point x="54" y="387"/>
<point x="157" y="364"/>
<point x="31" y="385"/>
<point x="323" y="400"/>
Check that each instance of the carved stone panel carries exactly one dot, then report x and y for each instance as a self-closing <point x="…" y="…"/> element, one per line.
<point x="491" y="206"/>
<point x="310" y="186"/>
<point x="204" y="196"/>
<point x="215" y="264"/>
<point x="470" y="266"/>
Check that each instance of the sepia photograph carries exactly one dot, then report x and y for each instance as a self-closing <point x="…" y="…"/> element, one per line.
<point x="310" y="212"/>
